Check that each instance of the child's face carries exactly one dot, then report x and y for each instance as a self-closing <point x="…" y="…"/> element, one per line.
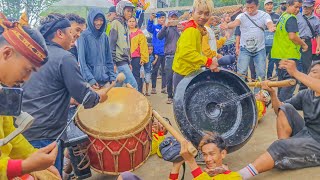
<point x="161" y="20"/>
<point x="150" y="50"/>
<point x="212" y="155"/>
<point x="260" y="97"/>
<point x="227" y="18"/>
<point x="173" y="18"/>
<point x="201" y="15"/>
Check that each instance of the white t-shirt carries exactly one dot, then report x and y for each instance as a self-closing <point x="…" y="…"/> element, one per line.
<point x="252" y="37"/>
<point x="212" y="39"/>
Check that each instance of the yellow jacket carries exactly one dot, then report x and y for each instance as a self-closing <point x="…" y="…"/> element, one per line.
<point x="139" y="46"/>
<point x="157" y="139"/>
<point x="198" y="174"/>
<point x="18" y="148"/>
<point x="188" y="57"/>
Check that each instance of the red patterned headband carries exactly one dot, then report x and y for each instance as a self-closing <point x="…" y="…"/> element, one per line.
<point x="22" y="42"/>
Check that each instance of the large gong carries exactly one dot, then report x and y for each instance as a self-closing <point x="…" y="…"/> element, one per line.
<point x="217" y="102"/>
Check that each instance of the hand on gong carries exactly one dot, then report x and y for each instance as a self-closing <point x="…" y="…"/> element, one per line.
<point x="214" y="67"/>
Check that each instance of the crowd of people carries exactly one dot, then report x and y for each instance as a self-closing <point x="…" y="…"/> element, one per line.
<point x="75" y="59"/>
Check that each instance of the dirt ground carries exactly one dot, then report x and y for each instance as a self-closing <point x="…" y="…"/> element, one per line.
<point x="158" y="169"/>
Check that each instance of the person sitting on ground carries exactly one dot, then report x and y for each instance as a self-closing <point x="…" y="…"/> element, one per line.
<point x="22" y="51"/>
<point x="188" y="57"/>
<point x="214" y="151"/>
<point x="298" y="144"/>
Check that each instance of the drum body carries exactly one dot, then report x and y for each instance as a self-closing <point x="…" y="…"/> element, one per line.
<point x="215" y="102"/>
<point x="119" y="131"/>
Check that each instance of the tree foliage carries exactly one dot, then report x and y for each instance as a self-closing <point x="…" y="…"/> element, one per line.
<point x="13" y="8"/>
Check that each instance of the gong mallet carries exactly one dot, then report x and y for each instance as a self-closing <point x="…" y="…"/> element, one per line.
<point x="192" y="150"/>
<point x="284" y="83"/>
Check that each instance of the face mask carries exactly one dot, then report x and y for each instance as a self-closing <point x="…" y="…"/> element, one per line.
<point x="283" y="8"/>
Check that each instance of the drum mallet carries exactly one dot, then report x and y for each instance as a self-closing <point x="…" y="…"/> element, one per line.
<point x="174" y="132"/>
<point x="120" y="78"/>
<point x="284" y="83"/>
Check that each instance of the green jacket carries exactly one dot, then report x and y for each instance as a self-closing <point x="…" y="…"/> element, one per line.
<point x="119" y="42"/>
<point x="283" y="47"/>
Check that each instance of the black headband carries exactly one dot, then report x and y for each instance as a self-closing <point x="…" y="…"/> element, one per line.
<point x="51" y="27"/>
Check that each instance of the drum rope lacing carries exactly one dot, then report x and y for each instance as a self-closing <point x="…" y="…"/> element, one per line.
<point x="115" y="154"/>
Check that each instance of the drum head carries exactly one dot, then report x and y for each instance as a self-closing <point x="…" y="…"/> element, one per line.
<point x="125" y="112"/>
<point x="215" y="102"/>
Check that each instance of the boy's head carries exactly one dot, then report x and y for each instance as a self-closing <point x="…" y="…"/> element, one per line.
<point x="111" y="14"/>
<point x="264" y="96"/>
<point x="315" y="70"/>
<point x="78" y="24"/>
<point x="227" y="18"/>
<point x="202" y="10"/>
<point x="98" y="21"/>
<point x="161" y="16"/>
<point x="268" y="5"/>
<point x="125" y="9"/>
<point x="22" y="51"/>
<point x="173" y="15"/>
<point x="213" y="148"/>
<point x="150" y="48"/>
<point x="252" y="7"/>
<point x="293" y="6"/>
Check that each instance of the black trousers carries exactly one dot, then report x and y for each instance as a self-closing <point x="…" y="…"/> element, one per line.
<point x="306" y="61"/>
<point x="161" y="61"/>
<point x="169" y="75"/>
<point x="135" y="63"/>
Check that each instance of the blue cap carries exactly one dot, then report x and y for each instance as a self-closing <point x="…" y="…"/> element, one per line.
<point x="308" y="3"/>
<point x="172" y="13"/>
<point x="112" y="9"/>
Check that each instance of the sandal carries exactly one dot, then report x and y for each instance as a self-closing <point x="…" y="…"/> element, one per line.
<point x="169" y="101"/>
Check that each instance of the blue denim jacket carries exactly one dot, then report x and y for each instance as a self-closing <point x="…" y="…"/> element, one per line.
<point x="148" y="66"/>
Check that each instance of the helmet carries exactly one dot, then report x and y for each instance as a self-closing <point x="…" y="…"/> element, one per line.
<point x="122" y="5"/>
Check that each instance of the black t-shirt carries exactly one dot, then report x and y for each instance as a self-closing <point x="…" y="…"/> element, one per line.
<point x="275" y="17"/>
<point x="292" y="25"/>
<point x="306" y="101"/>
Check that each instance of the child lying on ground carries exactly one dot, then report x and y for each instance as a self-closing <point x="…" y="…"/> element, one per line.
<point x="213" y="148"/>
<point x="263" y="100"/>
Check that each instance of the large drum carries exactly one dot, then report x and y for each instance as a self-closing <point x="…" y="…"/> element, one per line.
<point x="219" y="102"/>
<point x="119" y="131"/>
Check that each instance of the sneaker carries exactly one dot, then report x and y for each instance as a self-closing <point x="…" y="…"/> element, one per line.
<point x="169" y="101"/>
<point x="164" y="91"/>
<point x="153" y="91"/>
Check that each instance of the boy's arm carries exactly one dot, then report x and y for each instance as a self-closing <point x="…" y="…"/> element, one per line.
<point x="292" y="29"/>
<point x="150" y="26"/>
<point x="109" y="62"/>
<point x="162" y="33"/>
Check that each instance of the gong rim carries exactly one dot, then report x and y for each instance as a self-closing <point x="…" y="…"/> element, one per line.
<point x="193" y="133"/>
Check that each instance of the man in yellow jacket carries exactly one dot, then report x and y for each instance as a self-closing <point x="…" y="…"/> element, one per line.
<point x="22" y="51"/>
<point x="189" y="57"/>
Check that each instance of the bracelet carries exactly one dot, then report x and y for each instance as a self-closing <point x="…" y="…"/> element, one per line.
<point x="173" y="176"/>
<point x="209" y="62"/>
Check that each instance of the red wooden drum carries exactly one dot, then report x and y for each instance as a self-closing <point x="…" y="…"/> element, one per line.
<point x="119" y="131"/>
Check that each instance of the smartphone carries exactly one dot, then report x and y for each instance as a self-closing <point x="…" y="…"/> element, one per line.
<point x="10" y="101"/>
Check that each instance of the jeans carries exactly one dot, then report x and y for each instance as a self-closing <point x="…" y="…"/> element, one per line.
<point x="45" y="142"/>
<point x="169" y="75"/>
<point x="272" y="62"/>
<point x="125" y="69"/>
<point x="176" y="79"/>
<point x="285" y="93"/>
<point x="259" y="59"/>
<point x="136" y="72"/>
<point x="161" y="61"/>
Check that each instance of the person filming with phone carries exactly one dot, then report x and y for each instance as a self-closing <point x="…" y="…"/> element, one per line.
<point x="22" y="51"/>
